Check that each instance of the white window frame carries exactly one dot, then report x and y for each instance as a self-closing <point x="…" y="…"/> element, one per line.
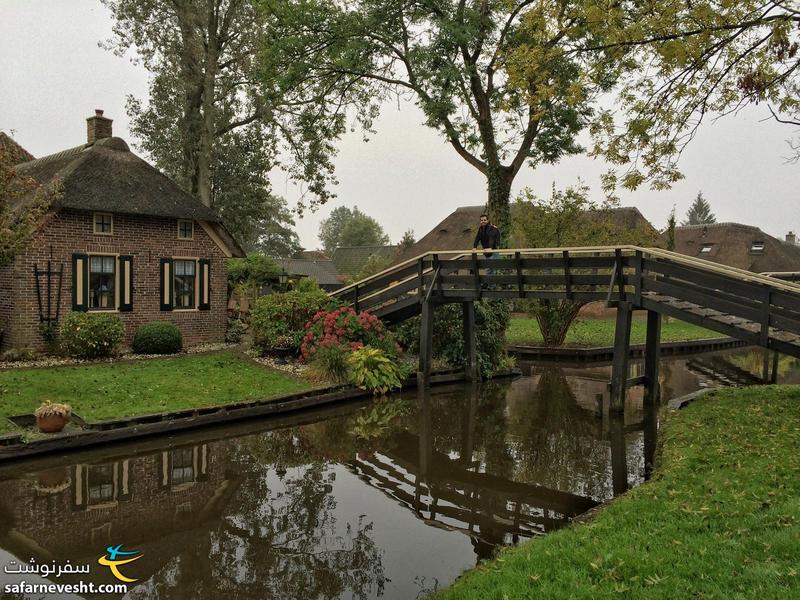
<point x="706" y="248"/>
<point x="94" y="223"/>
<point x="191" y="222"/>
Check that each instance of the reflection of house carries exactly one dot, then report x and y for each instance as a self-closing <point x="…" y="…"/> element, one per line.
<point x="349" y="260"/>
<point x="120" y="238"/>
<point x="736" y="245"/>
<point x="75" y="512"/>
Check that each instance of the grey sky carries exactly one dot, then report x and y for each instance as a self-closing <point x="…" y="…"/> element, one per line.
<point x="54" y="75"/>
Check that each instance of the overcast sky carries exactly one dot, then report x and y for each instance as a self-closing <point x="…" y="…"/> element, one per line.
<point x="54" y="75"/>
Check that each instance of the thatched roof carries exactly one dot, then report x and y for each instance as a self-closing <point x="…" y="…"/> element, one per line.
<point x="107" y="176"/>
<point x="349" y="260"/>
<point x="312" y="255"/>
<point x="738" y="245"/>
<point x="457" y="231"/>
<point x="13" y="151"/>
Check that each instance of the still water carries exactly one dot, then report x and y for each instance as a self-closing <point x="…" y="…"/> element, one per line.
<point x="388" y="499"/>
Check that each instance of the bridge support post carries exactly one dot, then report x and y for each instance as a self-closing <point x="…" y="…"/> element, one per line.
<point x="622" y="348"/>
<point x="470" y="342"/>
<point x="425" y="345"/>
<point x="619" y="459"/>
<point x="652" y="356"/>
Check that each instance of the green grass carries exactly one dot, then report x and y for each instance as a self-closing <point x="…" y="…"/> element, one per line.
<point x="721" y="519"/>
<point x="106" y="391"/>
<point x="600" y="332"/>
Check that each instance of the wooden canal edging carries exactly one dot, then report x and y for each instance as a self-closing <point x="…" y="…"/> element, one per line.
<point x="573" y="354"/>
<point x="13" y="447"/>
<point x="755" y="309"/>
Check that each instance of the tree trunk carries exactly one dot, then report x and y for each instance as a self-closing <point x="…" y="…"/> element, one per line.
<point x="498" y="183"/>
<point x="554" y="318"/>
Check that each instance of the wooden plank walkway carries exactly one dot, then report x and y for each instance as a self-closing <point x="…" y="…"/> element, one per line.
<point x="756" y="309"/>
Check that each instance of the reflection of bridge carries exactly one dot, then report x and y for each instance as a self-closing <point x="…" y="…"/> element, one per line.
<point x="753" y="308"/>
<point x="452" y="493"/>
<point x="717" y="369"/>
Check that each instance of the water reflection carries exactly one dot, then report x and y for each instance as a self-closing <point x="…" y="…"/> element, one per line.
<point x="391" y="499"/>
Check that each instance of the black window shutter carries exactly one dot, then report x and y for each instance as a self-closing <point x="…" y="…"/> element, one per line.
<point x="125" y="283"/>
<point x="205" y="284"/>
<point x="166" y="289"/>
<point x="80" y="282"/>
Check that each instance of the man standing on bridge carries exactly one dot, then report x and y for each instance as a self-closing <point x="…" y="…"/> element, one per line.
<point x="489" y="238"/>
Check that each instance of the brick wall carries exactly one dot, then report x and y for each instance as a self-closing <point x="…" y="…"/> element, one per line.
<point x="147" y="239"/>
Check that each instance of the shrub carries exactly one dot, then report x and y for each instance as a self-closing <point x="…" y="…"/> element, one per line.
<point x="19" y="355"/>
<point x="235" y="331"/>
<point x="345" y="328"/>
<point x="491" y="322"/>
<point x="159" y="337"/>
<point x="285" y="315"/>
<point x="255" y="271"/>
<point x="372" y="369"/>
<point x="90" y="335"/>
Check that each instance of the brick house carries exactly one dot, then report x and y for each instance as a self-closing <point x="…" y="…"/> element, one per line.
<point x="122" y="238"/>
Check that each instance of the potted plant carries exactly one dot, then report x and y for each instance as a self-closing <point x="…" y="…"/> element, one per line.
<point x="51" y="417"/>
<point x="284" y="347"/>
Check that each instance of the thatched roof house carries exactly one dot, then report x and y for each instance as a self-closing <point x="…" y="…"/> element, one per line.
<point x="323" y="271"/>
<point x="457" y="230"/>
<point x="121" y="237"/>
<point x="737" y="245"/>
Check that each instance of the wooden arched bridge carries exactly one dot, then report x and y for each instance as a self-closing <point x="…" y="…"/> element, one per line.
<point x="758" y="309"/>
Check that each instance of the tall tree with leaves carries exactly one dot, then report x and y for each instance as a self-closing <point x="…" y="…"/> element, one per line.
<point x="452" y="57"/>
<point x="350" y="227"/>
<point x="687" y="61"/>
<point x="699" y="212"/>
<point x="215" y="120"/>
<point x="568" y="218"/>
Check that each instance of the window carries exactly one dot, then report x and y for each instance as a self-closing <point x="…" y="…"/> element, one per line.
<point x="182" y="466"/>
<point x="706" y="248"/>
<point x="184" y="283"/>
<point x="100" y="484"/>
<point x="185" y="229"/>
<point x="101" y="282"/>
<point x="757" y="247"/>
<point x="103" y="223"/>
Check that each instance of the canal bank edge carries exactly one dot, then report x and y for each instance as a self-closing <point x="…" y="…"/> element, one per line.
<point x="720" y="515"/>
<point x="13" y="447"/>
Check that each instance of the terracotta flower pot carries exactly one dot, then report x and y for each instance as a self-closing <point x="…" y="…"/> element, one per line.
<point x="52" y="423"/>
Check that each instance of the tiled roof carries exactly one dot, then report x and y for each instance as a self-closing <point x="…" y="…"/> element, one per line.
<point x="323" y="271"/>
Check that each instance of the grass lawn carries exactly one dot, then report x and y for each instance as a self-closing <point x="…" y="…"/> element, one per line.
<point x="106" y="391"/>
<point x="600" y="332"/>
<point x="721" y="519"/>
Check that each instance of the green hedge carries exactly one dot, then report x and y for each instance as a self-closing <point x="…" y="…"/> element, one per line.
<point x="279" y="319"/>
<point x="159" y="337"/>
<point x="91" y="335"/>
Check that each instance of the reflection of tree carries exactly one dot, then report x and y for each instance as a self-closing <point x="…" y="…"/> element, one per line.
<point x="279" y="536"/>
<point x="753" y="362"/>
<point x="556" y="443"/>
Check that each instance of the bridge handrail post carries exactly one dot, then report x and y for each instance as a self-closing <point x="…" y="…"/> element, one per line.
<point x="567" y="275"/>
<point x="355" y="298"/>
<point x="639" y="278"/>
<point x="520" y="280"/>
<point x="421" y="284"/>
<point x="476" y="274"/>
<point x="620" y="272"/>
<point x="766" y="302"/>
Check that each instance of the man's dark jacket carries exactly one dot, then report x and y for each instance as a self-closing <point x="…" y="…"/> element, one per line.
<point x="489" y="237"/>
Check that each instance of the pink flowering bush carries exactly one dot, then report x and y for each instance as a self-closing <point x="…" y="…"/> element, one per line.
<point x="345" y="330"/>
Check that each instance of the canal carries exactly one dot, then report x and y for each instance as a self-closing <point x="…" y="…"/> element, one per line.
<point x="387" y="499"/>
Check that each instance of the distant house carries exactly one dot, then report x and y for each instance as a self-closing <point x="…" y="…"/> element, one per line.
<point x="457" y="230"/>
<point x="312" y="255"/>
<point x="322" y="271"/>
<point x="122" y="239"/>
<point x="737" y="245"/>
<point x="349" y="260"/>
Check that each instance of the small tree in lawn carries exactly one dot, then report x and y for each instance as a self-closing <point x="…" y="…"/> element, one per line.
<point x="699" y="212"/>
<point x="671" y="230"/>
<point x="567" y="218"/>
